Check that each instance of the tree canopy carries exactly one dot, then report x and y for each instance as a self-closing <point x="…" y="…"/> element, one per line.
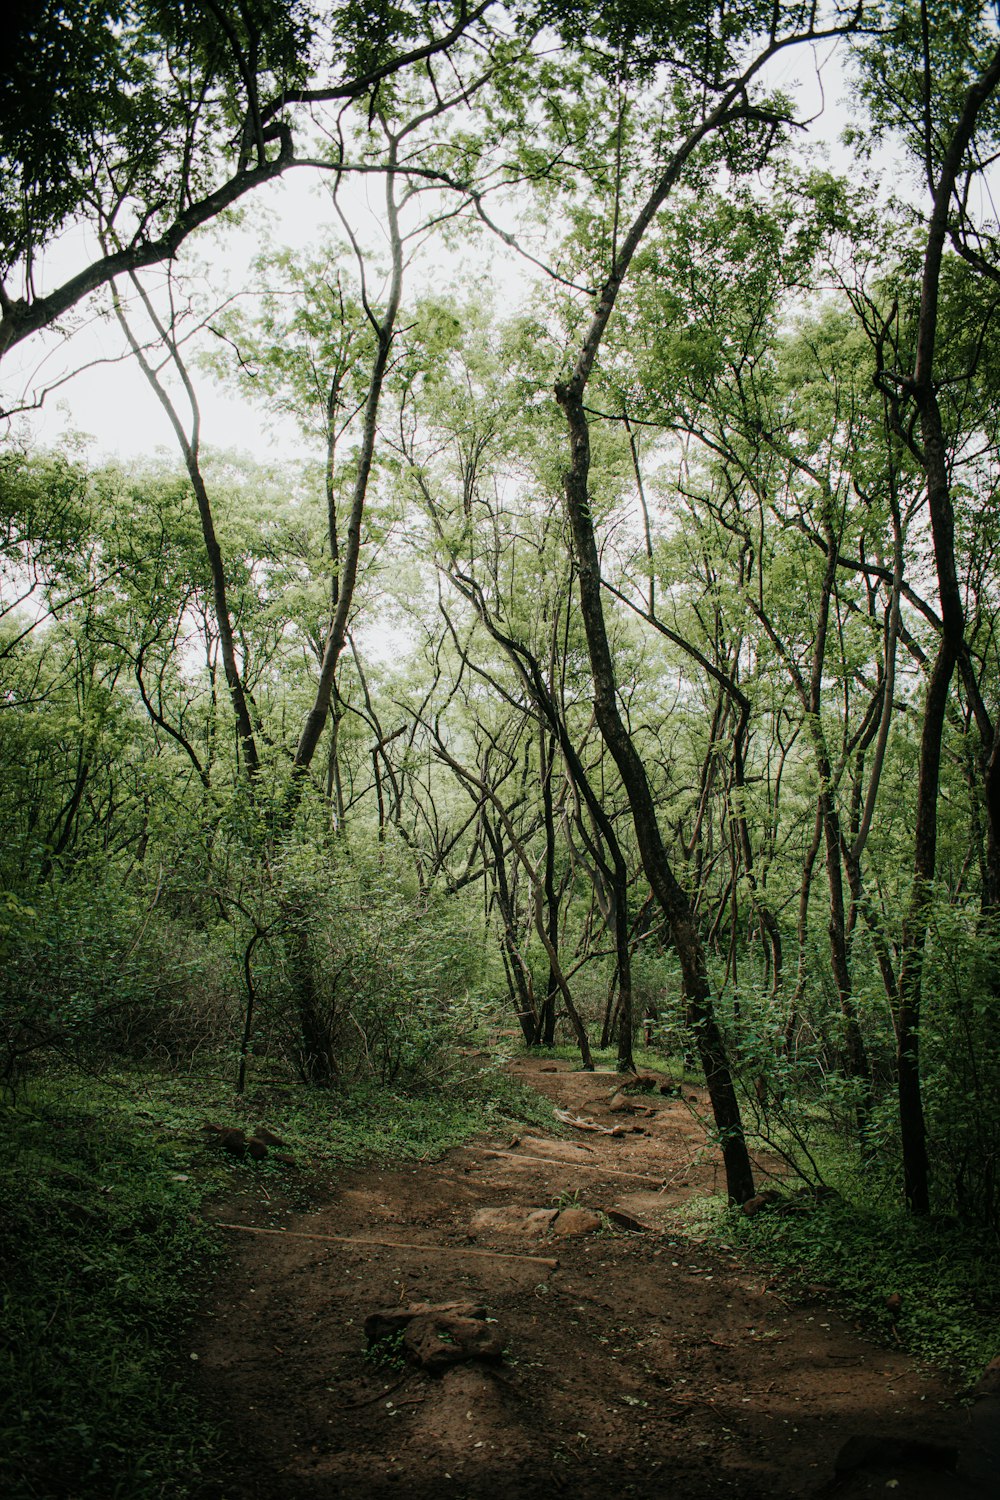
<point x="624" y="650"/>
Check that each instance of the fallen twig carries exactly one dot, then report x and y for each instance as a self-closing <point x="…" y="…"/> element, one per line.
<point x="580" y="1166"/>
<point x="380" y="1395"/>
<point x="344" y="1239"/>
<point x="578" y="1124"/>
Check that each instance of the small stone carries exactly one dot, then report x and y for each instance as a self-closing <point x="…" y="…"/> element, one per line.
<point x="387" y="1322"/>
<point x="439" y="1339"/>
<point x="645" y="1081"/>
<point x="541" y="1145"/>
<point x="539" y="1220"/>
<point x="622" y="1220"/>
<point x="576" y="1221"/>
<point x="621" y="1104"/>
<point x="513" y="1219"/>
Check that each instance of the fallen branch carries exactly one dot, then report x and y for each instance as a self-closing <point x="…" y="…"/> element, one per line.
<point x="578" y="1124"/>
<point x="343" y="1239"/>
<point x="576" y="1166"/>
<point x="379" y="1395"/>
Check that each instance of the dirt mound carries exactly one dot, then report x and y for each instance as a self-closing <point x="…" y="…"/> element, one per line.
<point x="636" y="1361"/>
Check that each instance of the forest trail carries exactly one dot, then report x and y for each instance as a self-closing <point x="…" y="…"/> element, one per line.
<point x="643" y="1364"/>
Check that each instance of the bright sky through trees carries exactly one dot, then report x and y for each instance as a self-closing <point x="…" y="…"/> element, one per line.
<point x="87" y="385"/>
<point x="689" y="546"/>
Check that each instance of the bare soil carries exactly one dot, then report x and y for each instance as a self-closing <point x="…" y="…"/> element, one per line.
<point x="644" y="1363"/>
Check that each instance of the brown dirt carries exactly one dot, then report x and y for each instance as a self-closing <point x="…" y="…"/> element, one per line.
<point x="646" y="1364"/>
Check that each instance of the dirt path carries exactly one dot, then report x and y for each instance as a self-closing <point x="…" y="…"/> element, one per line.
<point x="644" y="1364"/>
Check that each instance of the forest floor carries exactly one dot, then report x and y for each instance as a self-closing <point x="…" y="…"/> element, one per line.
<point x="639" y="1362"/>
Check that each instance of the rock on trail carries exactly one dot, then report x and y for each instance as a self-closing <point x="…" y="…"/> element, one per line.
<point x="622" y="1359"/>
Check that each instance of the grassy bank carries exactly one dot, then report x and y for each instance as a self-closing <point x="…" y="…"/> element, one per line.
<point x="105" y="1254"/>
<point x="931" y="1286"/>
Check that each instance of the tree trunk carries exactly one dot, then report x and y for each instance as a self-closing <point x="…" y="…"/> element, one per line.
<point x="934" y="458"/>
<point x="551" y="894"/>
<point x="348" y="559"/>
<point x="656" y="864"/>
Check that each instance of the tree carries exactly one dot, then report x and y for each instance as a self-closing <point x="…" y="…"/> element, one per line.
<point x="153" y="119"/>
<point x="951" y="129"/>
<point x="729" y="118"/>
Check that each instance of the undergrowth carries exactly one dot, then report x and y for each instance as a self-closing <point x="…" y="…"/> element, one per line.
<point x="105" y="1254"/>
<point x="103" y="1257"/>
<point x="647" y="1059"/>
<point x="945" y="1275"/>
<point x="322" y="1127"/>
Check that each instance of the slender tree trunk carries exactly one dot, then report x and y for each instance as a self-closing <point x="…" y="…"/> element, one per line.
<point x="916" y="1173"/>
<point x="529" y="670"/>
<point x="857" y="1057"/>
<point x="551" y="895"/>
<point x="190" y="445"/>
<point x="991" y="785"/>
<point x="737" y="799"/>
<point x="349" y="556"/>
<point x="518" y="974"/>
<point x="737" y="795"/>
<point x="316" y="1057"/>
<point x="535" y="883"/>
<point x="802" y="933"/>
<point x="623" y="952"/>
<point x="669" y="893"/>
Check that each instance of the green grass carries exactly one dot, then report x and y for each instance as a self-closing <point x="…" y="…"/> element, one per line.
<point x="331" y="1127"/>
<point x="105" y="1253"/>
<point x="947" y="1275"/>
<point x="647" y="1060"/>
<point x="102" y="1257"/>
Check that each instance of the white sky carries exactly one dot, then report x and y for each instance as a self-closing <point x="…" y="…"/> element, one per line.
<point x="112" y="403"/>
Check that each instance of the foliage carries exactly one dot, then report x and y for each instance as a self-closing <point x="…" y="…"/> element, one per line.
<point x="96" y="973"/>
<point x="91" y="93"/>
<point x="356" y="972"/>
<point x="104" y="1255"/>
<point x="962" y="1062"/>
<point x="103" y="1261"/>
<point x="864" y="1251"/>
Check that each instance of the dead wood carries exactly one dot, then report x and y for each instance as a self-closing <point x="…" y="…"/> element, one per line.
<point x="576" y="1166"/>
<point x="344" y="1239"/>
<point x="578" y="1124"/>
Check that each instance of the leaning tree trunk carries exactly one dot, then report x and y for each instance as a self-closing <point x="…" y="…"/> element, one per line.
<point x="656" y="864"/>
<point x="734" y="105"/>
<point x="934" y="458"/>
